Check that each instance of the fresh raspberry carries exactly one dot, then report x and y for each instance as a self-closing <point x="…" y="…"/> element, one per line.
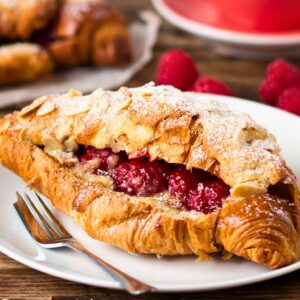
<point x="176" y="68"/>
<point x="280" y="65"/>
<point x="289" y="100"/>
<point x="206" y="84"/>
<point x="108" y="160"/>
<point x="208" y="196"/>
<point x="139" y="177"/>
<point x="182" y="181"/>
<point x="280" y="76"/>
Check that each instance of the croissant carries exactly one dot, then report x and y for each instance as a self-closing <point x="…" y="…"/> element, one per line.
<point x="156" y="170"/>
<point x="19" y="19"/>
<point x="69" y="33"/>
<point x="23" y="62"/>
<point x="98" y="35"/>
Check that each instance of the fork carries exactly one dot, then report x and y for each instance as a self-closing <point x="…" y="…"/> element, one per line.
<point x="46" y="230"/>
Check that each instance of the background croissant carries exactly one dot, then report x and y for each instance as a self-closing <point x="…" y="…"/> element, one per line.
<point x="40" y="36"/>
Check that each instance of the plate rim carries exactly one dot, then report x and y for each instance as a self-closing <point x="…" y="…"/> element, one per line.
<point x="166" y="288"/>
<point x="78" y="277"/>
<point x="225" y="35"/>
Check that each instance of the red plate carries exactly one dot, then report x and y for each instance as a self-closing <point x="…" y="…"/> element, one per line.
<point x="203" y="12"/>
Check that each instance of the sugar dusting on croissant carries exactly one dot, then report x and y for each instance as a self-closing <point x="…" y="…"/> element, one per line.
<point x="259" y="220"/>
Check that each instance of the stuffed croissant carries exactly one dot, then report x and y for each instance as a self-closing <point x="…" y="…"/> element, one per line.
<point x="156" y="170"/>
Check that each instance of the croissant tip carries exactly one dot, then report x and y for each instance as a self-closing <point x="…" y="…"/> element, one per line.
<point x="271" y="258"/>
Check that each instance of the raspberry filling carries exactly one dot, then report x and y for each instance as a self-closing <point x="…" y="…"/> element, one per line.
<point x="140" y="177"/>
<point x="207" y="196"/>
<point x="104" y="160"/>
<point x="193" y="190"/>
<point x="182" y="181"/>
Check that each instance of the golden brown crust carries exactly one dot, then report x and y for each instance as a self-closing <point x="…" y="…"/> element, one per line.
<point x="259" y="228"/>
<point x="23" y="62"/>
<point x="97" y="35"/>
<point x="130" y="223"/>
<point x="170" y="125"/>
<point x="72" y="33"/>
<point x="259" y="225"/>
<point x="19" y="19"/>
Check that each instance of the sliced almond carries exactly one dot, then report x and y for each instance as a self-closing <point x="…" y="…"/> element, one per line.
<point x="74" y="93"/>
<point x="63" y="131"/>
<point x="45" y="109"/>
<point x="71" y="145"/>
<point x="77" y="107"/>
<point x="34" y="105"/>
<point x="125" y="105"/>
<point x="64" y="158"/>
<point x="52" y="144"/>
<point x="248" y="189"/>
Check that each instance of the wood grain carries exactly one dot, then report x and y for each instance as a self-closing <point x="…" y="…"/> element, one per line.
<point x="20" y="282"/>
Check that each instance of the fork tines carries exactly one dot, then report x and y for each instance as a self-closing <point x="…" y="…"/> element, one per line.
<point x="42" y="215"/>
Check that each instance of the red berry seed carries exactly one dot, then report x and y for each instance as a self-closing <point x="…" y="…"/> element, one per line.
<point x="176" y="68"/>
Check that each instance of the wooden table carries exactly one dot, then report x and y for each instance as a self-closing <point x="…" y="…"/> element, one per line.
<point x="20" y="282"/>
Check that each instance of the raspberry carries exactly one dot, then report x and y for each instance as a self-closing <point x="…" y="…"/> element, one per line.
<point x="139" y="177"/>
<point x="207" y="196"/>
<point x="176" y="68"/>
<point x="289" y="100"/>
<point x="182" y="181"/>
<point x="108" y="160"/>
<point x="280" y="76"/>
<point x="211" y="85"/>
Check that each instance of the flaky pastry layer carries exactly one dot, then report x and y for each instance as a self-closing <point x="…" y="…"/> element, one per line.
<point x="39" y="36"/>
<point x="19" y="19"/>
<point x="258" y="221"/>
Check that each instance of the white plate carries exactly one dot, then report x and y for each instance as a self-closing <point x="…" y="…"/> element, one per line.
<point x="237" y="43"/>
<point x="167" y="274"/>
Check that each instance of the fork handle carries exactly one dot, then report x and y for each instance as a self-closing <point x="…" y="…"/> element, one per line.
<point x="132" y="285"/>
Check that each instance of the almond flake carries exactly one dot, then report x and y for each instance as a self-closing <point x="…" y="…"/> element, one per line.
<point x="34" y="105"/>
<point x="45" y="109"/>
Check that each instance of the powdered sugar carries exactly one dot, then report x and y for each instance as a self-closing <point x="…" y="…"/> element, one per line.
<point x="230" y="145"/>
